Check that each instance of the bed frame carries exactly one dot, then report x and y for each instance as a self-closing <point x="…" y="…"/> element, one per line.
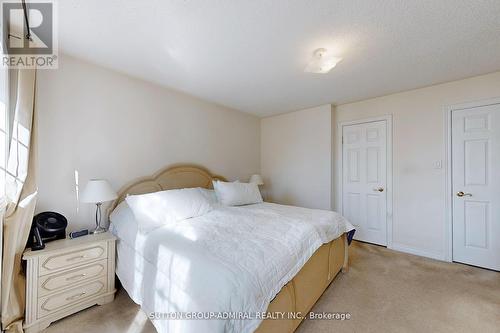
<point x="300" y="294"/>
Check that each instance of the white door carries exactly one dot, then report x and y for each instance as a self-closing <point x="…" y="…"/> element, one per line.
<point x="364" y="176"/>
<point x="476" y="186"/>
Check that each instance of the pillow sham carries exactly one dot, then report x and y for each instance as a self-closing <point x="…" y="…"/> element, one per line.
<point x="237" y="194"/>
<point x="156" y="209"/>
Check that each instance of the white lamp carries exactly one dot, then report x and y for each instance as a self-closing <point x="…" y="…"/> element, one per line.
<point x="257" y="179"/>
<point x="98" y="191"/>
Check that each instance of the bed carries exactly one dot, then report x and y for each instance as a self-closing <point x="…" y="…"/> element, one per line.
<point x="256" y="268"/>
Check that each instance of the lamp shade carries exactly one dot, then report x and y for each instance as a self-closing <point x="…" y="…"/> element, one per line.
<point x="98" y="190"/>
<point x="257" y="179"/>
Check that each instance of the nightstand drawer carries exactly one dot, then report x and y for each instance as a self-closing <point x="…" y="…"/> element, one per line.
<point x="55" y="262"/>
<point x="54" y="282"/>
<point x="60" y="301"/>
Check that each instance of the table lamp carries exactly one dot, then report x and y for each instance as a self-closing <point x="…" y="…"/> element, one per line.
<point x="98" y="191"/>
<point x="257" y="179"/>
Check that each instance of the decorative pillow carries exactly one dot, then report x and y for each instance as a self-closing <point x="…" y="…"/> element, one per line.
<point x="237" y="194"/>
<point x="156" y="209"/>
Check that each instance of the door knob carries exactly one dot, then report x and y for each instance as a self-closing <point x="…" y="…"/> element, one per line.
<point x="463" y="194"/>
<point x="380" y="189"/>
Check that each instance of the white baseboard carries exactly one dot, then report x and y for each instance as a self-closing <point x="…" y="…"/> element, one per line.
<point x="418" y="252"/>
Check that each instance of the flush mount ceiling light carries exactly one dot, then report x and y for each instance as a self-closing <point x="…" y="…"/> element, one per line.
<point x="321" y="62"/>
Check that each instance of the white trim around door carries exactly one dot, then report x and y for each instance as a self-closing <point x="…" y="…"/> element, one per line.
<point x="449" y="194"/>
<point x="388" y="185"/>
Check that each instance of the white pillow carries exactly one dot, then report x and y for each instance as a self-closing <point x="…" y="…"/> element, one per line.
<point x="156" y="209"/>
<point x="210" y="195"/>
<point x="123" y="221"/>
<point x="237" y="194"/>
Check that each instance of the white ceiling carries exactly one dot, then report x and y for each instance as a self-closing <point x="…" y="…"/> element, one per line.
<point x="250" y="55"/>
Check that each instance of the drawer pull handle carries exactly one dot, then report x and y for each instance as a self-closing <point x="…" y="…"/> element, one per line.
<point x="75" y="277"/>
<point x="76" y="258"/>
<point x="71" y="298"/>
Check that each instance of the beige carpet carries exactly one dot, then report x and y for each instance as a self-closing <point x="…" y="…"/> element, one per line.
<point x="384" y="291"/>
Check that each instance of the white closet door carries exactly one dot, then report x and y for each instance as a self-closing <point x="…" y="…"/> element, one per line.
<point x="476" y="186"/>
<point x="364" y="197"/>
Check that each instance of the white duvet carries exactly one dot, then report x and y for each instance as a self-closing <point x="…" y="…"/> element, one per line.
<point x="230" y="261"/>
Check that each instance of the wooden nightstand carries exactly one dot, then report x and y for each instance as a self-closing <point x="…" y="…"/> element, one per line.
<point x="67" y="276"/>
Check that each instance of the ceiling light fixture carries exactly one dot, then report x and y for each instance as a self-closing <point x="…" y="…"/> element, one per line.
<point x="321" y="62"/>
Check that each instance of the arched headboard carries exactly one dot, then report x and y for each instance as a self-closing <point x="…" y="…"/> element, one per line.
<point x="175" y="177"/>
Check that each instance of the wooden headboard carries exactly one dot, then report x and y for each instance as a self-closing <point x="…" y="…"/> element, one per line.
<point x="175" y="177"/>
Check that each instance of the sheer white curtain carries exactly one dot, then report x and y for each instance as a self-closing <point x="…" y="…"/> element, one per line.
<point x="3" y="151"/>
<point x="20" y="194"/>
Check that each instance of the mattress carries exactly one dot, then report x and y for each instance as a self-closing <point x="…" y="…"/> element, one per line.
<point x="230" y="262"/>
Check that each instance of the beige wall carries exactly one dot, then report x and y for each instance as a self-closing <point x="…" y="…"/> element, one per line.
<point x="296" y="156"/>
<point x="419" y="142"/>
<point x="103" y="124"/>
